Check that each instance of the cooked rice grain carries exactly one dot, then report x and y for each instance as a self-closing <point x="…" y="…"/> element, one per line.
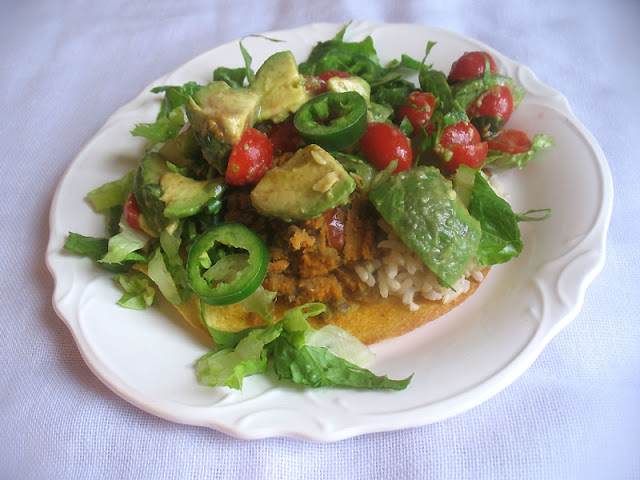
<point x="400" y="272"/>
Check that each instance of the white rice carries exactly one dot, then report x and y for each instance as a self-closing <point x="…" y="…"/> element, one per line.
<point x="399" y="272"/>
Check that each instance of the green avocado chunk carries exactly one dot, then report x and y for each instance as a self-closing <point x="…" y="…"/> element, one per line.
<point x="421" y="207"/>
<point x="147" y="190"/>
<point x="184" y="196"/>
<point x="279" y="86"/>
<point x="222" y="111"/>
<point x="309" y="183"/>
<point x="183" y="150"/>
<point x="164" y="196"/>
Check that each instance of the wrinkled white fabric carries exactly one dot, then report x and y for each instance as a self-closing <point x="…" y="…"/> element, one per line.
<point x="66" y="66"/>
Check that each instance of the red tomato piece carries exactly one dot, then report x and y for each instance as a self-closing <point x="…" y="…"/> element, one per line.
<point x="497" y="102"/>
<point x="335" y="228"/>
<point x="314" y="86"/>
<point x="325" y="76"/>
<point x="419" y="115"/>
<point x="472" y="155"/>
<point x="463" y="141"/>
<point x="510" y="141"/>
<point x="383" y="143"/>
<point x="132" y="212"/>
<point x="250" y="158"/>
<point x="284" y="137"/>
<point x="318" y="84"/>
<point x="471" y="65"/>
<point x="463" y="133"/>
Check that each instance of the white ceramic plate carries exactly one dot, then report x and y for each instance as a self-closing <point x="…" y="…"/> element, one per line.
<point x="459" y="360"/>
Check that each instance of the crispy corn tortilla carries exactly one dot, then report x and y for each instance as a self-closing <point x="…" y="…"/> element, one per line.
<point x="370" y="322"/>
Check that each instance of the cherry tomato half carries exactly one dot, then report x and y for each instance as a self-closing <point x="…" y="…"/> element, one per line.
<point x="383" y="143"/>
<point x="510" y="141"/>
<point x="471" y="65"/>
<point x="250" y="158"/>
<point x="284" y="137"/>
<point x="497" y="102"/>
<point x="419" y="115"/>
<point x="463" y="141"/>
<point x="132" y="212"/>
<point x="325" y="76"/>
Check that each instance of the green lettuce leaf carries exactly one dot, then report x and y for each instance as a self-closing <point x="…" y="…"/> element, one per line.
<point x="123" y="246"/>
<point x="234" y="77"/>
<point x="139" y="291"/>
<point x="325" y="357"/>
<point x="91" y="247"/>
<point x="421" y="207"/>
<point x="175" y="96"/>
<point x="447" y="107"/>
<point x="170" y="244"/>
<point x="96" y="248"/>
<point x="318" y="367"/>
<point x="166" y="128"/>
<point x="159" y="273"/>
<point x="504" y="160"/>
<point x="357" y="58"/>
<point x="341" y="343"/>
<point x="463" y="182"/>
<point x="500" y="241"/>
<point x="260" y="302"/>
<point x="112" y="194"/>
<point x="229" y="366"/>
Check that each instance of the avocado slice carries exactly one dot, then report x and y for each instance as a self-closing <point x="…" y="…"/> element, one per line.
<point x="350" y="84"/>
<point x="164" y="196"/>
<point x="222" y="111"/>
<point x="184" y="196"/>
<point x="219" y="115"/>
<point x="280" y="87"/>
<point x="311" y="182"/>
<point x="183" y="150"/>
<point x="147" y="190"/>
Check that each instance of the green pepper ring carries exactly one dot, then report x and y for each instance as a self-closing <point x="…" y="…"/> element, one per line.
<point x="345" y="115"/>
<point x="248" y="280"/>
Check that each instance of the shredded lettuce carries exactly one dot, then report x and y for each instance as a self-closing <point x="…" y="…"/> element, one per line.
<point x="112" y="194"/>
<point x="170" y="244"/>
<point x="96" y="249"/>
<point x="171" y="118"/>
<point x="122" y="247"/>
<point x="318" y="358"/>
<point x="91" y="247"/>
<point x="229" y="366"/>
<point x="504" y="160"/>
<point x="500" y="241"/>
<point x="318" y="367"/>
<point x="139" y="291"/>
<point x="234" y="77"/>
<point x="260" y="302"/>
<point x="159" y="273"/>
<point x="175" y="96"/>
<point x="162" y="130"/>
<point x="341" y="343"/>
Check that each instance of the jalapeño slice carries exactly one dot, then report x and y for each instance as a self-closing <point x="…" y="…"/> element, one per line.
<point x="226" y="264"/>
<point x="333" y="120"/>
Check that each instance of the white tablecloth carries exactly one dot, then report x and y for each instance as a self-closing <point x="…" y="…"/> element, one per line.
<point x="66" y="66"/>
